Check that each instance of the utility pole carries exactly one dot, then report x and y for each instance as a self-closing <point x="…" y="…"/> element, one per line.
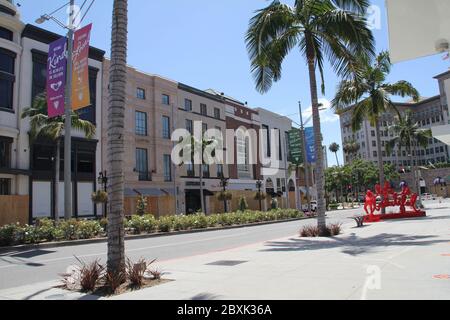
<point x="68" y="123"/>
<point x="305" y="158"/>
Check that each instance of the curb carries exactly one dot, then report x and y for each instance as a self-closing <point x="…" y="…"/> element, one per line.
<point x="49" y="245"/>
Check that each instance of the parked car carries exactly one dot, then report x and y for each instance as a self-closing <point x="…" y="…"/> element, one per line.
<point x="313" y="206"/>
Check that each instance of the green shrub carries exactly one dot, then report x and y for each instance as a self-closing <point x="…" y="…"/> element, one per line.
<point x="10" y="234"/>
<point x="181" y="223"/>
<point x="45" y="229"/>
<point x="88" y="229"/>
<point x="67" y="230"/>
<point x="243" y="205"/>
<point x="104" y="223"/>
<point x="141" y="205"/>
<point x="200" y="221"/>
<point x="165" y="224"/>
<point x="31" y="235"/>
<point x="213" y="220"/>
<point x="274" y="204"/>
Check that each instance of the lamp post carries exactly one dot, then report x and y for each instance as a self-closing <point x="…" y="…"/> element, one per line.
<point x="224" y="185"/>
<point x="103" y="181"/>
<point x="68" y="109"/>
<point x="259" y="185"/>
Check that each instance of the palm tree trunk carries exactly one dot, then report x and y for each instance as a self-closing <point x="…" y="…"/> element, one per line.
<point x="380" y="160"/>
<point x="337" y="160"/>
<point x="320" y="185"/>
<point x="417" y="177"/>
<point x="116" y="123"/>
<point x="57" y="168"/>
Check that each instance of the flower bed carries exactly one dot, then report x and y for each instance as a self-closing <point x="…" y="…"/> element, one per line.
<point x="47" y="230"/>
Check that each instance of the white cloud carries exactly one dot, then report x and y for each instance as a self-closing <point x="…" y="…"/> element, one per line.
<point x="327" y="115"/>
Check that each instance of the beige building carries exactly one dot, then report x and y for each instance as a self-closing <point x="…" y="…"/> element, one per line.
<point x="157" y="106"/>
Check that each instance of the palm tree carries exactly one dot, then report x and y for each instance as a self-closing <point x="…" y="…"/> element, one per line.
<point x="408" y="134"/>
<point x="370" y="96"/>
<point x="332" y="29"/>
<point x="351" y="148"/>
<point x="115" y="144"/>
<point x="334" y="147"/>
<point x="41" y="126"/>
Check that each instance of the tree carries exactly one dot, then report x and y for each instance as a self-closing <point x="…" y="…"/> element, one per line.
<point x="323" y="29"/>
<point x="334" y="147"/>
<point x="41" y="126"/>
<point x="408" y="134"/>
<point x="116" y="134"/>
<point x="369" y="96"/>
<point x="351" y="148"/>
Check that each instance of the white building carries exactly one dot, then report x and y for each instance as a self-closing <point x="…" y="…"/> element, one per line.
<point x="27" y="170"/>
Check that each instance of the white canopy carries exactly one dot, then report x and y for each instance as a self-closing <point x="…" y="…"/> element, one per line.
<point x="417" y="27"/>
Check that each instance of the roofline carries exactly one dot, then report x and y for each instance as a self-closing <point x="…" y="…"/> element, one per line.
<point x="442" y="74"/>
<point x="199" y="92"/>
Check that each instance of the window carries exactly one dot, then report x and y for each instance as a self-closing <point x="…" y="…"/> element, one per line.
<point x="267" y="142"/>
<point x="5" y="152"/>
<point x="141" y="123"/>
<point x="187" y="105"/>
<point x="167" y="168"/>
<point x="217" y="113"/>
<point x="166" y="127"/>
<point x="373" y="133"/>
<point x="7" y="78"/>
<point x="374" y="143"/>
<point x="189" y="126"/>
<point x="243" y="154"/>
<point x="280" y="149"/>
<point x="204" y="128"/>
<point x="85" y="161"/>
<point x="203" y="109"/>
<point x="165" y="99"/>
<point x="39" y="74"/>
<point x="375" y="154"/>
<point x="142" y="164"/>
<point x="190" y="170"/>
<point x="5" y="187"/>
<point x="220" y="170"/>
<point x="206" y="173"/>
<point x="6" y="34"/>
<point x="279" y="185"/>
<point x="140" y="93"/>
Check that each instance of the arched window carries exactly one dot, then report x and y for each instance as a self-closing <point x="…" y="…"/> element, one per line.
<point x="6" y="34"/>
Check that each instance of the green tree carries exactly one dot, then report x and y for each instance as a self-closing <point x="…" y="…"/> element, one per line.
<point x="116" y="135"/>
<point x="334" y="147"/>
<point x="407" y="133"/>
<point x="41" y="126"/>
<point x="320" y="29"/>
<point x="369" y="96"/>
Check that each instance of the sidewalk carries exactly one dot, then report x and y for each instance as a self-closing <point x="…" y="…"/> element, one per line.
<point x="400" y="259"/>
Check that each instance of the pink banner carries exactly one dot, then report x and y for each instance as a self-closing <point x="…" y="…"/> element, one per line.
<point x="56" y="77"/>
<point x="80" y="77"/>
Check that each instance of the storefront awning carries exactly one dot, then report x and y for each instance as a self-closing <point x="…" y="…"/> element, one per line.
<point x="416" y="27"/>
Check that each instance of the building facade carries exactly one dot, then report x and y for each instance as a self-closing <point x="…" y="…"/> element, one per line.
<point x="429" y="113"/>
<point x="27" y="170"/>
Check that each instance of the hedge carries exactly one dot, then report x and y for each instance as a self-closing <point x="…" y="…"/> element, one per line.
<point x="46" y="230"/>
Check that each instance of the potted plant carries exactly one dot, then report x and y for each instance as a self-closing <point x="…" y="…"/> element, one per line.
<point x="100" y="196"/>
<point x="224" y="196"/>
<point x="260" y="195"/>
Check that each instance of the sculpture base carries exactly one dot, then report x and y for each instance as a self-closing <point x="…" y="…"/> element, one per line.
<point x="392" y="216"/>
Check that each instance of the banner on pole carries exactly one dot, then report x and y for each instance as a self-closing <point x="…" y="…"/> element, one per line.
<point x="56" y="77"/>
<point x="80" y="77"/>
<point x="310" y="145"/>
<point x="295" y="147"/>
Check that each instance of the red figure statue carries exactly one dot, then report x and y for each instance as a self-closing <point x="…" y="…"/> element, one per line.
<point x="371" y="202"/>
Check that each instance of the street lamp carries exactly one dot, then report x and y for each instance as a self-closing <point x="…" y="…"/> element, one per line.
<point x="68" y="106"/>
<point x="103" y="181"/>
<point x="259" y="185"/>
<point x="224" y="185"/>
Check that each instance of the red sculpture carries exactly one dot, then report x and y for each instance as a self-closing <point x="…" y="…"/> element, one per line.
<point x="390" y="198"/>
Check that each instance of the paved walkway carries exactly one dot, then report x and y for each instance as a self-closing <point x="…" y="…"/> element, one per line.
<point x="407" y="259"/>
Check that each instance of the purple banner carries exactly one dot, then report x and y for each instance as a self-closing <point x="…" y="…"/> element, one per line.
<point x="56" y="77"/>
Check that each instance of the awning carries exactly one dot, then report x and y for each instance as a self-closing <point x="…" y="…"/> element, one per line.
<point x="146" y="192"/>
<point x="442" y="133"/>
<point x="417" y="27"/>
<point x="169" y="191"/>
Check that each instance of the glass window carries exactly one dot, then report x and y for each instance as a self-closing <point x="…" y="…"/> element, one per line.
<point x="6" y="34"/>
<point x="204" y="127"/>
<point x="141" y="123"/>
<point x="203" y="109"/>
<point x="140" y="93"/>
<point x="205" y="171"/>
<point x="267" y="140"/>
<point x="5" y="187"/>
<point x="373" y="133"/>
<point x="165" y="99"/>
<point x="142" y="164"/>
<point x="189" y="126"/>
<point x="167" y="168"/>
<point x="85" y="161"/>
<point x="7" y="78"/>
<point x="166" y="127"/>
<point x="187" y="105"/>
<point x="217" y="113"/>
<point x="190" y="170"/>
<point x="219" y="170"/>
<point x="5" y="152"/>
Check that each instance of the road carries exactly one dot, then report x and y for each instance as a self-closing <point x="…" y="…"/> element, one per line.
<point x="40" y="265"/>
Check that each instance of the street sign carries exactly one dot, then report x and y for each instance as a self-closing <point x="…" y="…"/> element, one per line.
<point x="295" y="147"/>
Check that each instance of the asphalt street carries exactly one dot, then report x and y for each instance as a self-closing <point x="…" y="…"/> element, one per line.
<point x="39" y="265"/>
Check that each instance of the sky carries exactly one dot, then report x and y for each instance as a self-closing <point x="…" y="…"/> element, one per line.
<point x="201" y="43"/>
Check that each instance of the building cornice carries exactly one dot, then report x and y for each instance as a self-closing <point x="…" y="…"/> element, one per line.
<point x="204" y="94"/>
